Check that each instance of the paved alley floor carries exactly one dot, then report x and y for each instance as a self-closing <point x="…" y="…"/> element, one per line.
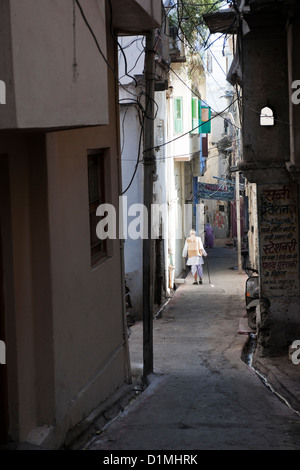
<point x="201" y="395"/>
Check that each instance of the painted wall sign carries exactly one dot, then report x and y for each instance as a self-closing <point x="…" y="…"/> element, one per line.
<point x="279" y="247"/>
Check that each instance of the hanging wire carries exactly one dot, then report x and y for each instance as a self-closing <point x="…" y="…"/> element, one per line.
<point x="191" y="130"/>
<point x="199" y="97"/>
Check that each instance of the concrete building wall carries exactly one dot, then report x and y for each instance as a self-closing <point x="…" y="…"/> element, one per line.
<point x="133" y="193"/>
<point x="83" y="294"/>
<point x="69" y="337"/>
<point x="28" y="301"/>
<point x="266" y="151"/>
<point x="266" y="84"/>
<point x="65" y="321"/>
<point x="179" y="220"/>
<point x="293" y="39"/>
<point x="251" y="193"/>
<point x="49" y="85"/>
<point x="181" y="147"/>
<point x="219" y="58"/>
<point x="160" y="189"/>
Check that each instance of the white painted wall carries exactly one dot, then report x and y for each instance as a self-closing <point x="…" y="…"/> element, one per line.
<point x="133" y="249"/>
<point x="218" y="62"/>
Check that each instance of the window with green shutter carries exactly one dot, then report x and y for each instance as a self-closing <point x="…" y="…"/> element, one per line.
<point x="204" y="119"/>
<point x="178" y="116"/>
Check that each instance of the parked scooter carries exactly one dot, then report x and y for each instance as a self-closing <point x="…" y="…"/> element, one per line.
<point x="252" y="297"/>
<point x="252" y="286"/>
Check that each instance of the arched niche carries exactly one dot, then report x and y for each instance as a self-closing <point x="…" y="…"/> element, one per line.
<point x="267" y="116"/>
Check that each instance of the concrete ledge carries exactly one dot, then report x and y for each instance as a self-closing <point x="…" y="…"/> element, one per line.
<point x="282" y="376"/>
<point x="44" y="437"/>
<point x="102" y="415"/>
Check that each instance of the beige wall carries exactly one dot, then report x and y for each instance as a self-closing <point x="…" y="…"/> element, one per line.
<point x="27" y="284"/>
<point x="69" y="334"/>
<point x="43" y="88"/>
<point x="87" y="302"/>
<point x="136" y="16"/>
<point x="66" y="348"/>
<point x="69" y="341"/>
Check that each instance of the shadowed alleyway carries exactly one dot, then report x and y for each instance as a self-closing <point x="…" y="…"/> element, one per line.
<point x="201" y="394"/>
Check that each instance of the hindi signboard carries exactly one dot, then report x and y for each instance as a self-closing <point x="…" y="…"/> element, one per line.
<point x="278" y="213"/>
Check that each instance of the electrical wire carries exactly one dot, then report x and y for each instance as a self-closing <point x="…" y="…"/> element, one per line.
<point x="180" y="19"/>
<point x="99" y="48"/>
<point x="192" y="153"/>
<point x="117" y="42"/>
<point x="94" y="36"/>
<point x="199" y="97"/>
<point x="191" y="130"/>
<point x="138" y="158"/>
<point x="196" y="24"/>
<point x="205" y="41"/>
<point x="225" y="33"/>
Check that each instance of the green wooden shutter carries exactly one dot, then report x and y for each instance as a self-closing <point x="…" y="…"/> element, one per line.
<point x="195" y="115"/>
<point x="178" y="116"/>
<point x="205" y="119"/>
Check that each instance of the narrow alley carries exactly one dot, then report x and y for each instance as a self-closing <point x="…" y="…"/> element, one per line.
<point x="202" y="395"/>
<point x="127" y="129"/>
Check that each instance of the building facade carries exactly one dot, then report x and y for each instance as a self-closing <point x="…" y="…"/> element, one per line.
<point x="62" y="286"/>
<point x="266" y="66"/>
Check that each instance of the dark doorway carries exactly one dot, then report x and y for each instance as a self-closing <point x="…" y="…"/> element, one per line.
<point x="3" y="367"/>
<point x="159" y="274"/>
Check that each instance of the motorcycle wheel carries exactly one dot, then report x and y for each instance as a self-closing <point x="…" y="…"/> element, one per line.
<point x="252" y="318"/>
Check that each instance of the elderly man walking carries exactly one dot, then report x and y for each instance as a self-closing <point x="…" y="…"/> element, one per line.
<point x="194" y="251"/>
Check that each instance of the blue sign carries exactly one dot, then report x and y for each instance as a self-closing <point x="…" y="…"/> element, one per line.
<point x="215" y="191"/>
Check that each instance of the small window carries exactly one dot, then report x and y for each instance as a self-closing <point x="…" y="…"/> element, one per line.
<point x="266" y="117"/>
<point x="204" y="145"/>
<point x="178" y="115"/>
<point x="96" y="197"/>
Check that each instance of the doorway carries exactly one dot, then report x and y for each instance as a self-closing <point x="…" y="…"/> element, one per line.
<point x="159" y="271"/>
<point x="3" y="367"/>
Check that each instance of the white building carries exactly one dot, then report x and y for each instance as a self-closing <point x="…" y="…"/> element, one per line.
<point x="219" y="95"/>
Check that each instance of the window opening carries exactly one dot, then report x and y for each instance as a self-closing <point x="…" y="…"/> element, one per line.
<point x="266" y="117"/>
<point x="96" y="197"/>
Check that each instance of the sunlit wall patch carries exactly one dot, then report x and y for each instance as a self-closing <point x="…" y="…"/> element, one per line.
<point x="2" y="92"/>
<point x="2" y="353"/>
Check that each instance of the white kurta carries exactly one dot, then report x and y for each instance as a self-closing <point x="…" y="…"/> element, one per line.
<point x="194" y="260"/>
